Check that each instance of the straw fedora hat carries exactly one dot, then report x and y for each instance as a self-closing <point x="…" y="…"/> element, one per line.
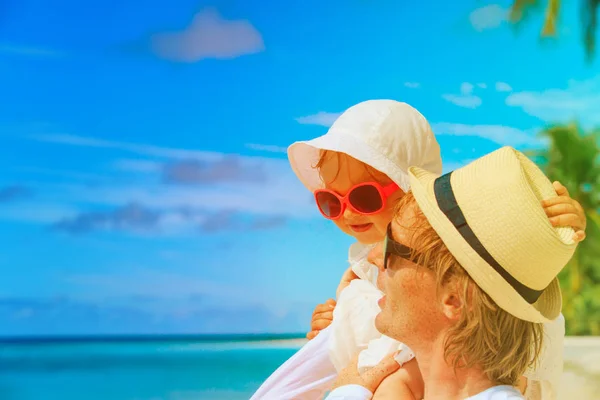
<point x="387" y="135"/>
<point x="489" y="215"/>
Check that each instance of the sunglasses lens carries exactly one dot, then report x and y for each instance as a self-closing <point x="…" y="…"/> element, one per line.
<point x="366" y="199"/>
<point x="329" y="205"/>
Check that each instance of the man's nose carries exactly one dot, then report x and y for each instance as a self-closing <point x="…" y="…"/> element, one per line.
<point x="375" y="256"/>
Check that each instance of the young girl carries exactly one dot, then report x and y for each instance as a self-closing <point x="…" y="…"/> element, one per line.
<point x="357" y="172"/>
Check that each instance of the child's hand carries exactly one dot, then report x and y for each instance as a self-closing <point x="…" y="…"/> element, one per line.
<point x="564" y="211"/>
<point x="321" y="318"/>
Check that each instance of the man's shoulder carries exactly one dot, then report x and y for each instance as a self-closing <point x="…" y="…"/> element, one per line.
<point x="503" y="392"/>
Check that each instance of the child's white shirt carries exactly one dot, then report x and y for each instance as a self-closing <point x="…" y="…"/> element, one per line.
<point x="311" y="372"/>
<point x="353" y="327"/>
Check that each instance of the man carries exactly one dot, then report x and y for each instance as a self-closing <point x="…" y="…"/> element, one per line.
<point x="469" y="270"/>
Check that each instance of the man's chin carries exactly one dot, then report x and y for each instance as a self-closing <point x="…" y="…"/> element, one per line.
<point x="380" y="323"/>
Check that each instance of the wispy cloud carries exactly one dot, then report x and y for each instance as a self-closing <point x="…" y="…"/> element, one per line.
<point x="229" y="220"/>
<point x="208" y="36"/>
<point x="142" y="166"/>
<point x="151" y="283"/>
<point x="28" y="51"/>
<point x="321" y="118"/>
<point x="466" y="98"/>
<point x="229" y="169"/>
<point x="167" y="291"/>
<point x="488" y="17"/>
<point x="14" y="192"/>
<point x="171" y="180"/>
<point x="503" y="135"/>
<point x="580" y="100"/>
<point x="139" y="219"/>
<point x="266" y="147"/>
<point x="142" y="149"/>
<point x="482" y="85"/>
<point x="280" y="195"/>
<point x="412" y="85"/>
<point x="503" y="87"/>
<point x="130" y="217"/>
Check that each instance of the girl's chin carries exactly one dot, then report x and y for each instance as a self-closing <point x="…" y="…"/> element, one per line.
<point x="370" y="237"/>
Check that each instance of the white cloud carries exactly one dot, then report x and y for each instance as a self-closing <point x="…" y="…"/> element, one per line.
<point x="503" y="135"/>
<point x="488" y="17"/>
<point x="466" y="88"/>
<point x="466" y="98"/>
<point x="151" y="283"/>
<point x="138" y="165"/>
<point x="580" y="100"/>
<point x="283" y="195"/>
<point x="209" y="36"/>
<point x="321" y="118"/>
<point x="159" y="291"/>
<point x="412" y="85"/>
<point x="143" y="149"/>
<point x="466" y="101"/>
<point x="28" y="51"/>
<point x="276" y="192"/>
<point x="266" y="147"/>
<point x="38" y="213"/>
<point x="503" y="87"/>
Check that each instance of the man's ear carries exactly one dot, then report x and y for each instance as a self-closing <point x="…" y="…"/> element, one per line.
<point x="452" y="302"/>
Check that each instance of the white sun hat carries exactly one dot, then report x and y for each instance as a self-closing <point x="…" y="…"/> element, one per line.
<point x="387" y="135"/>
<point x="489" y="215"/>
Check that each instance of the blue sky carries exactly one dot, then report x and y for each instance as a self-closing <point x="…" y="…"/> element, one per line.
<point x="145" y="187"/>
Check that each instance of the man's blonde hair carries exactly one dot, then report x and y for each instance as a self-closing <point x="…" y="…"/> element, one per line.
<point x="485" y="336"/>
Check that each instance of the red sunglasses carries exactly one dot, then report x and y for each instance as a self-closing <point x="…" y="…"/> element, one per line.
<point x="365" y="198"/>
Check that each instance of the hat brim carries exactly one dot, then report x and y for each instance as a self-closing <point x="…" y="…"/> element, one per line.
<point x="304" y="156"/>
<point x="545" y="309"/>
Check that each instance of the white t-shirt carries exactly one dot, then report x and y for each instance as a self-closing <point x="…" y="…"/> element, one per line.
<point x="503" y="392"/>
<point x="356" y="392"/>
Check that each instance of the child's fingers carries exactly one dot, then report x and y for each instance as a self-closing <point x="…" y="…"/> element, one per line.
<point x="331" y="302"/>
<point x="571" y="220"/>
<point x="323" y="308"/>
<point x="312" y="334"/>
<point x="560" y="209"/>
<point x="560" y="189"/>
<point x="323" y="315"/>
<point x="557" y="200"/>
<point x="320" y="324"/>
<point x="579" y="236"/>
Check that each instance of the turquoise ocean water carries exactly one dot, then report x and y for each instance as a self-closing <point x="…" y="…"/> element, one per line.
<point x="215" y="368"/>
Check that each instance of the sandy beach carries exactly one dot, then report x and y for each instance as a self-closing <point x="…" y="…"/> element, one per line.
<point x="581" y="378"/>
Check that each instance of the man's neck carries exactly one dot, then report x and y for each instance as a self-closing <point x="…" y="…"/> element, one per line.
<point x="442" y="381"/>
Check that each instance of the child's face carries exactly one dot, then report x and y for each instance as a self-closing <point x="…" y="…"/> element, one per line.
<point x="340" y="173"/>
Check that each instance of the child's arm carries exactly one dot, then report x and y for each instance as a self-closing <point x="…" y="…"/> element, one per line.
<point x="323" y="314"/>
<point x="565" y="211"/>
